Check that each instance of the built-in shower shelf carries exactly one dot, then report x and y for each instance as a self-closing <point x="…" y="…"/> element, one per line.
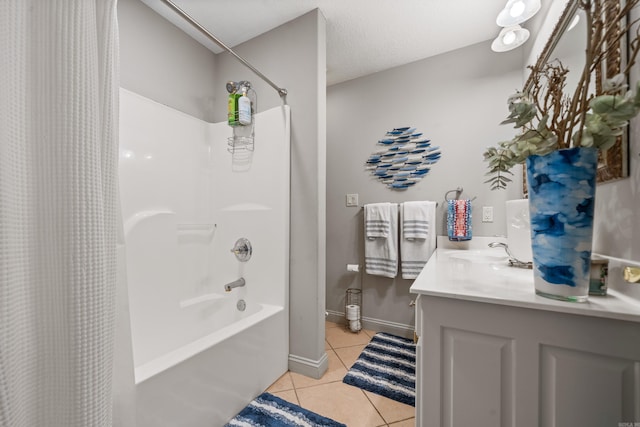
<point x="182" y="229"/>
<point x="206" y="230"/>
<point x="200" y="299"/>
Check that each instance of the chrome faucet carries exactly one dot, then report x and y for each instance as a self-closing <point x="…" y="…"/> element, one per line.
<point x="235" y="284"/>
<point x="513" y="261"/>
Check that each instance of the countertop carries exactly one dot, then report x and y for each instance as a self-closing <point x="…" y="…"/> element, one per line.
<point x="483" y="275"/>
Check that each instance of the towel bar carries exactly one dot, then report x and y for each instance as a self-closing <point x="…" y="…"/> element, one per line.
<point x="397" y="204"/>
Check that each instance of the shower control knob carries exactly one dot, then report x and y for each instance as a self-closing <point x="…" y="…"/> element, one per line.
<point x="242" y="249"/>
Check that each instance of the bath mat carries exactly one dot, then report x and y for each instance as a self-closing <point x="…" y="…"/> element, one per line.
<point x="268" y="410"/>
<point x="386" y="366"/>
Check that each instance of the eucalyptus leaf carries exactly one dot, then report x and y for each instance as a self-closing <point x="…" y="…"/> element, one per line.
<point x="586" y="139"/>
<point x="607" y="144"/>
<point x="614" y="106"/>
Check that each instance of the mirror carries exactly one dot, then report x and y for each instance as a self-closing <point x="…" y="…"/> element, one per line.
<point x="567" y="44"/>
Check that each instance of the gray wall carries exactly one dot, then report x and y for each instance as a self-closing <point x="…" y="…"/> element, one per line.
<point x="293" y="56"/>
<point x="458" y="100"/>
<point x="161" y="62"/>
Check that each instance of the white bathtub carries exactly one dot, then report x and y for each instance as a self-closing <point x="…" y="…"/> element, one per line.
<point x="229" y="321"/>
<point x="210" y="380"/>
<point x="197" y="359"/>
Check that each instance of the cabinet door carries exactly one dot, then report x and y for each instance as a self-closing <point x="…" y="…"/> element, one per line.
<point x="477" y="379"/>
<point x="587" y="389"/>
<point x="468" y="371"/>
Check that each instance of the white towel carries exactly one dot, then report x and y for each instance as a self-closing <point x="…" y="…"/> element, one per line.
<point x="415" y="252"/>
<point x="381" y="254"/>
<point x="376" y="220"/>
<point x="415" y="220"/>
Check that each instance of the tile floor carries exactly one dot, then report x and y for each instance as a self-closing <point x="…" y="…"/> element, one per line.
<point x="330" y="397"/>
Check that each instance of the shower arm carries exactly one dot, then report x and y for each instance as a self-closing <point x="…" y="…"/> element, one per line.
<point x="281" y="91"/>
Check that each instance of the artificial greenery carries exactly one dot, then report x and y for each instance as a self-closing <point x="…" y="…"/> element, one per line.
<point x="550" y="119"/>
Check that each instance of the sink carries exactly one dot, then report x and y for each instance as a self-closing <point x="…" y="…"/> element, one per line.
<point x="485" y="257"/>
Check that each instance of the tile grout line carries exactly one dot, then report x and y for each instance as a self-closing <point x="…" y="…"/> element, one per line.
<point x="376" y="408"/>
<point x="362" y="391"/>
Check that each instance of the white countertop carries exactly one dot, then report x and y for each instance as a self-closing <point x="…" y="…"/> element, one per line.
<point x="483" y="275"/>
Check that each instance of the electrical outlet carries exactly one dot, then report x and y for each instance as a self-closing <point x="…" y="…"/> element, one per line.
<point x="487" y="214"/>
<point x="352" y="200"/>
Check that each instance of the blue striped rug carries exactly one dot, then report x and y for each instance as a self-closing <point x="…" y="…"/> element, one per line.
<point x="386" y="366"/>
<point x="268" y="410"/>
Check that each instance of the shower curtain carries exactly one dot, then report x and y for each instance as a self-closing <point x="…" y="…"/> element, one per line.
<point x="58" y="211"/>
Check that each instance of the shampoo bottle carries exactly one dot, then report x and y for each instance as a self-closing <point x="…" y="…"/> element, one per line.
<point x="232" y="114"/>
<point x="244" y="109"/>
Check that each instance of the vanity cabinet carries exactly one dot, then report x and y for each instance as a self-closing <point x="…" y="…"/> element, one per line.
<point x="511" y="358"/>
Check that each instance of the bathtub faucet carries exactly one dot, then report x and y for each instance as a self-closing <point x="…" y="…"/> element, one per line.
<point x="234" y="284"/>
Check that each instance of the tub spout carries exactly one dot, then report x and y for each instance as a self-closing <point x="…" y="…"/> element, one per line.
<point x="234" y="284"/>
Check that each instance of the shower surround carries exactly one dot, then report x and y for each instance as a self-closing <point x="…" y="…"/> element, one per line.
<point x="198" y="358"/>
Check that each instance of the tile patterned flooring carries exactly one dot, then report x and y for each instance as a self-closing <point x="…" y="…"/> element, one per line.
<point x="330" y="397"/>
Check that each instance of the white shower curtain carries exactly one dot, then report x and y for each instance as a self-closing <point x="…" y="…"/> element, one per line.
<point x="58" y="211"/>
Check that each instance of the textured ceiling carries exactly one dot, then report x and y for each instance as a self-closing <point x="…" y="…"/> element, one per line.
<point x="363" y="36"/>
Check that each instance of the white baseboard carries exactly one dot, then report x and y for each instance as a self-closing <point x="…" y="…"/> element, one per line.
<point x="308" y="367"/>
<point x="373" y="324"/>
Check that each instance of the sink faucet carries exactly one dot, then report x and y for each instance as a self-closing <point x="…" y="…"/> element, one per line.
<point x="513" y="261"/>
<point x="234" y="284"/>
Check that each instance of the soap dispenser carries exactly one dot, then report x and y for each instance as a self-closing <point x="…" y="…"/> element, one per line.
<point x="244" y="108"/>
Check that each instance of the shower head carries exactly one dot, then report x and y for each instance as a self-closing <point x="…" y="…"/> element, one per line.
<point x="232" y="87"/>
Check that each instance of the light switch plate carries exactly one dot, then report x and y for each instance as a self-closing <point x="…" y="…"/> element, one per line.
<point x="352" y="200"/>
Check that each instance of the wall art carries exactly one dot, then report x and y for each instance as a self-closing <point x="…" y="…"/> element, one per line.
<point x="406" y="158"/>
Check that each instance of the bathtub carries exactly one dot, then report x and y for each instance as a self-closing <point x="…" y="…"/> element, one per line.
<point x="197" y="358"/>
<point x="230" y="321"/>
<point x="208" y="381"/>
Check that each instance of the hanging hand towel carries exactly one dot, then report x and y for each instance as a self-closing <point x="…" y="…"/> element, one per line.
<point x="376" y="220"/>
<point x="459" y="219"/>
<point x="381" y="254"/>
<point x="415" y="223"/>
<point x="415" y="251"/>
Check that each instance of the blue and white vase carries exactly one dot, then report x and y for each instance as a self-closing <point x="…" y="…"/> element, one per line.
<point x="562" y="188"/>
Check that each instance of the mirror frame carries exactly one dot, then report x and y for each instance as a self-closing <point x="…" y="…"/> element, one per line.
<point x="612" y="164"/>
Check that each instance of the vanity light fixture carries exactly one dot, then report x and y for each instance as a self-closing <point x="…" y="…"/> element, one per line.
<point x="517" y="11"/>
<point x="510" y="38"/>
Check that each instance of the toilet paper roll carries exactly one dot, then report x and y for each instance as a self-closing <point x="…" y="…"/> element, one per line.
<point x="355" y="325"/>
<point x="353" y="312"/>
<point x="353" y="267"/>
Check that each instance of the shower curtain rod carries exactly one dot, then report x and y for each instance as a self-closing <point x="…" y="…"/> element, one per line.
<point x="281" y="91"/>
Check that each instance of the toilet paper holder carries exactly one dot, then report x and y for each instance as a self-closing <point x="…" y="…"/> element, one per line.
<point x="353" y="309"/>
